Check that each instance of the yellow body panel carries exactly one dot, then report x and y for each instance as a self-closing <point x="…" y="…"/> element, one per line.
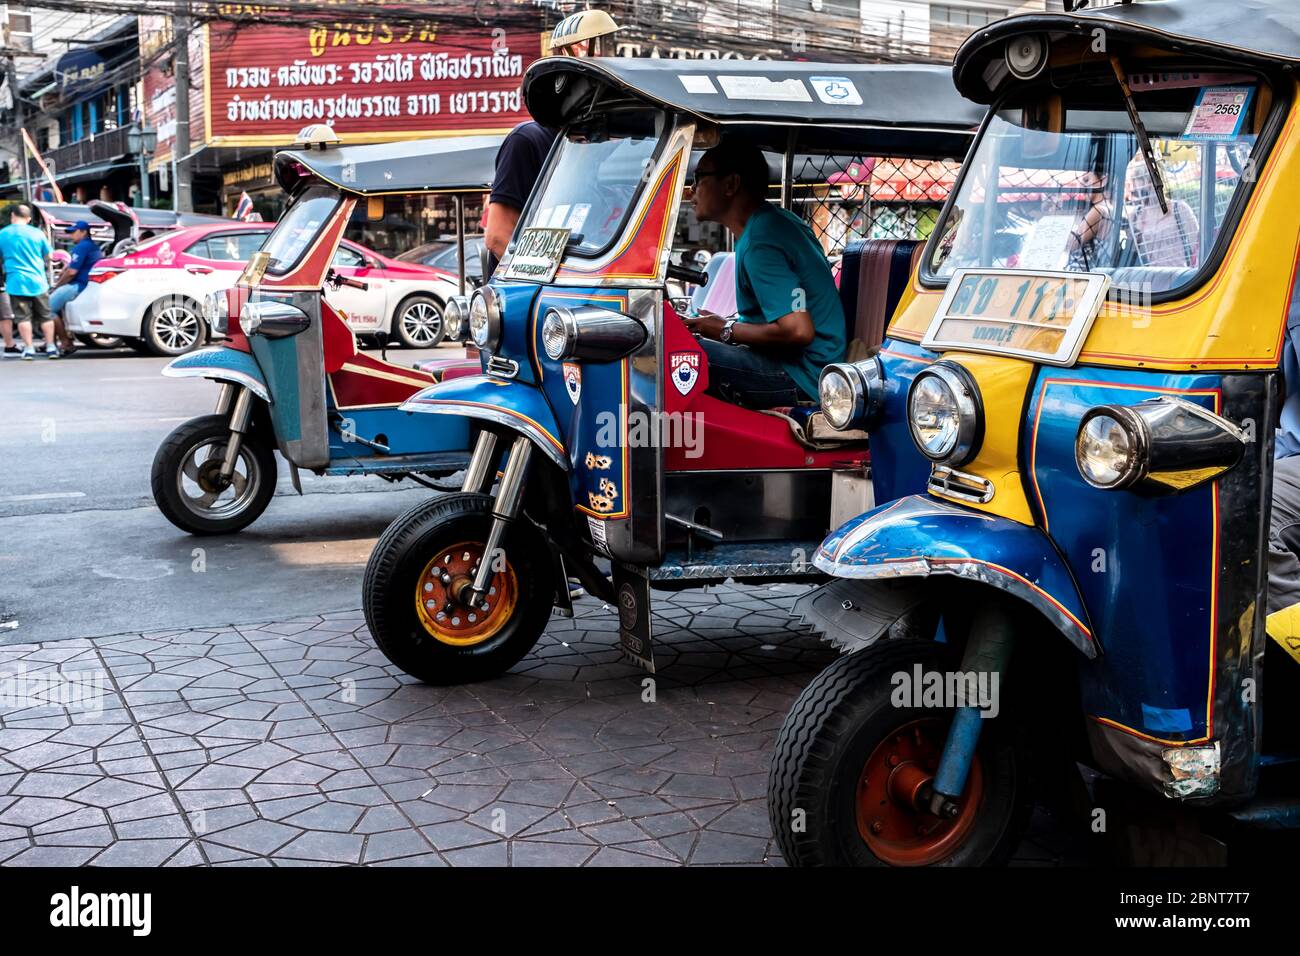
<point x="1284" y="627"/>
<point x="1234" y="321"/>
<point x="1003" y="385"/>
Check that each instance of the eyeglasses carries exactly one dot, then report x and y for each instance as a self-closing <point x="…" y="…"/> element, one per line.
<point x="691" y="181"/>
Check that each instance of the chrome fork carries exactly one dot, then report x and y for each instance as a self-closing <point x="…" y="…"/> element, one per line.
<point x="505" y="507"/>
<point x="239" y="418"/>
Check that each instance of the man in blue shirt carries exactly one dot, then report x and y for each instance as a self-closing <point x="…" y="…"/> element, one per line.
<point x="789" y="322"/>
<point x="75" y="276"/>
<point x="26" y="254"/>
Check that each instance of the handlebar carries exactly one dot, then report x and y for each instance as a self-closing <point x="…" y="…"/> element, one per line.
<point x="336" y="280"/>
<point x="693" y="276"/>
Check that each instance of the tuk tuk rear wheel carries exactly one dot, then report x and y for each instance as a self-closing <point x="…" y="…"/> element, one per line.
<point x="422" y="557"/>
<point x="828" y="802"/>
<point x="184" y="473"/>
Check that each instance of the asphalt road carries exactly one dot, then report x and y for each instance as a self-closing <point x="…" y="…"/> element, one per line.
<point x="85" y="553"/>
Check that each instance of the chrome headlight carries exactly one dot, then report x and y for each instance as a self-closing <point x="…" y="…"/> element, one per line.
<point x="852" y="395"/>
<point x="216" y="309"/>
<point x="559" y="334"/>
<point x="454" y="316"/>
<point x="944" y="414"/>
<point x="485" y="319"/>
<point x="1107" y="448"/>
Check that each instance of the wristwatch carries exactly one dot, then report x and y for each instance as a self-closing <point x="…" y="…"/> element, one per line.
<point x="725" y="334"/>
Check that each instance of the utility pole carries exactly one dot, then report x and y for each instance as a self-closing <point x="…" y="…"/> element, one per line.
<point x="20" y="117"/>
<point x="182" y="194"/>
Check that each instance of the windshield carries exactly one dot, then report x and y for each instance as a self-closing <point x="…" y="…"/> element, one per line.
<point x="300" y="225"/>
<point x="1082" y="199"/>
<point x="591" y="186"/>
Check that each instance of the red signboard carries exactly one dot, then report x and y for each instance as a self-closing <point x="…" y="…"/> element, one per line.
<point x="368" y="81"/>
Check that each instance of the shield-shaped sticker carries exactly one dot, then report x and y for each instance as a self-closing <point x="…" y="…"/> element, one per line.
<point x="573" y="380"/>
<point x="685" y="370"/>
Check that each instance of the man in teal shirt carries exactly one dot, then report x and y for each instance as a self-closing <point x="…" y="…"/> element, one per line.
<point x="26" y="253"/>
<point x="789" y="322"/>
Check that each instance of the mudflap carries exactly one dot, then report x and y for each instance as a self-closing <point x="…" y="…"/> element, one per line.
<point x="852" y="614"/>
<point x="634" y="630"/>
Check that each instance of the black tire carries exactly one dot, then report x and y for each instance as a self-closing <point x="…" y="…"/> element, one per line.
<point x="417" y="322"/>
<point x="173" y="326"/>
<point x="139" y="346"/>
<point x="399" y="560"/>
<point x="210" y="432"/>
<point x="827" y="738"/>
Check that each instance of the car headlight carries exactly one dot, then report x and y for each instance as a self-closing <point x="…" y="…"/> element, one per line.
<point x="1107" y="448"/>
<point x="944" y="414"/>
<point x="454" y="316"/>
<point x="852" y="395"/>
<point x="216" y="309"/>
<point x="485" y="319"/>
<point x="559" y="334"/>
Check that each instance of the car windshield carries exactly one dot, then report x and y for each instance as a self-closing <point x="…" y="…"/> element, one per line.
<point x="1082" y="199"/>
<point x="300" y="225"/>
<point x="592" y="183"/>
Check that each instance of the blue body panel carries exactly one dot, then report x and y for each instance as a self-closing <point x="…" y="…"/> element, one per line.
<point x="517" y="405"/>
<point x="403" y="432"/>
<point x="920" y="536"/>
<point x="223" y="364"/>
<point x="1146" y="566"/>
<point x="897" y="468"/>
<point x="280" y="358"/>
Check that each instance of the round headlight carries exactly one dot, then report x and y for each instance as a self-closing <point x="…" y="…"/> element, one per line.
<point x="485" y="319"/>
<point x="454" y="316"/>
<point x="559" y="334"/>
<point x="1108" y="448"/>
<point x="943" y="412"/>
<point x="837" y="395"/>
<point x="216" y="310"/>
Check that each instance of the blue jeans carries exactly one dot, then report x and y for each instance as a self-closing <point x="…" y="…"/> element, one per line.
<point x="739" y="375"/>
<point x="62" y="296"/>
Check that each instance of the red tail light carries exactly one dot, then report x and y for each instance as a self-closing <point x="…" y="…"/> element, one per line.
<point x="103" y="276"/>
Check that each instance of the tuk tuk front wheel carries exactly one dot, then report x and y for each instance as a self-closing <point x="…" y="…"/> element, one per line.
<point x="414" y="583"/>
<point x="850" y="768"/>
<point x="187" y="485"/>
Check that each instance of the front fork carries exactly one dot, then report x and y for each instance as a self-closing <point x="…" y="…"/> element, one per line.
<point x="240" y="415"/>
<point x="988" y="650"/>
<point x="505" y="506"/>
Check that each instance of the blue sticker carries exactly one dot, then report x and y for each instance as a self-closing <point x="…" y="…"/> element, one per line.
<point x="1219" y="112"/>
<point x="1162" y="720"/>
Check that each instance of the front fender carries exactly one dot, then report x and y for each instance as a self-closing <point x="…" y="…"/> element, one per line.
<point x="918" y="536"/>
<point x="222" y="364"/>
<point x="517" y="406"/>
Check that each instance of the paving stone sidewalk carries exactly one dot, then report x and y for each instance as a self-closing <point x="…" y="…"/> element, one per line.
<point x="297" y="743"/>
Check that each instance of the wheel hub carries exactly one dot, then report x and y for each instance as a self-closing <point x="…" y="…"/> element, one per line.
<point x="443" y="590"/>
<point x="209" y="477"/>
<point x="893" y="796"/>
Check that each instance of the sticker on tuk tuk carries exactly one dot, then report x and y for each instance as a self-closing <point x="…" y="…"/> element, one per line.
<point x="1040" y="315"/>
<point x="597" y="529"/>
<point x="836" y="90"/>
<point x="698" y="83"/>
<point x="790" y="90"/>
<point x="573" y="380"/>
<point x="1219" y="112"/>
<point x="537" y="254"/>
<point x="685" y="368"/>
<point x="577" y="216"/>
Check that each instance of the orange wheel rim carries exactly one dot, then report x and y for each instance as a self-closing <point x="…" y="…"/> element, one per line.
<point x="888" y="821"/>
<point x="447" y="620"/>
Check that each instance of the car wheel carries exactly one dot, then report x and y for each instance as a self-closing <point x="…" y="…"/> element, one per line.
<point x="173" y="327"/>
<point x="417" y="323"/>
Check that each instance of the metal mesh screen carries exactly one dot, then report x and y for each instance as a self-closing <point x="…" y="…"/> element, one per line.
<point x="844" y="198"/>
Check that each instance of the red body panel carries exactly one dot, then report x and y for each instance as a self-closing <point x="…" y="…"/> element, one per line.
<point x="732" y="435"/>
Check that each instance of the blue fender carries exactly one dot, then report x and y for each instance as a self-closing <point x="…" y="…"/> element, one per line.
<point x="516" y="405"/>
<point x="222" y="364"/>
<point x="918" y="536"/>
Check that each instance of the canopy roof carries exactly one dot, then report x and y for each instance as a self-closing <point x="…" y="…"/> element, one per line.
<point x="441" y="164"/>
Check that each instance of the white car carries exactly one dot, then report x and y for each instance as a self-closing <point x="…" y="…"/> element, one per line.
<point x="152" y="295"/>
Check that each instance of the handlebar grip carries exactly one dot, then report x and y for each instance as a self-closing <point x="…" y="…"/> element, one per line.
<point x="693" y="276"/>
<point x="357" y="284"/>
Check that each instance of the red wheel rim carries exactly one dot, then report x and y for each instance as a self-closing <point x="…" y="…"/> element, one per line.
<point x="443" y="616"/>
<point x="888" y="821"/>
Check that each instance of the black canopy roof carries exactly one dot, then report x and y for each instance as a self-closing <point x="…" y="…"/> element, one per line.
<point x="1262" y="33"/>
<point x="442" y="164"/>
<point x="908" y="103"/>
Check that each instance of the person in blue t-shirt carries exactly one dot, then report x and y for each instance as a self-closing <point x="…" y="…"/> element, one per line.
<point x="26" y="254"/>
<point x="789" y="322"/>
<point x="74" y="278"/>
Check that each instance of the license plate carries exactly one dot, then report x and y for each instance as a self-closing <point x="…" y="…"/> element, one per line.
<point x="537" y="254"/>
<point x="1040" y="315"/>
